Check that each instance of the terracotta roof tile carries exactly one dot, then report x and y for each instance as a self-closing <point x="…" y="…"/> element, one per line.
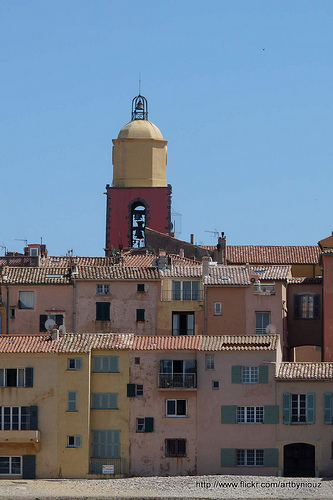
<point x="36" y="275"/>
<point x="227" y="276"/>
<point x="183" y="272"/>
<point x="305" y="371"/>
<point x="259" y="254"/>
<point x="305" y="281"/>
<point x="153" y="343"/>
<point x="240" y="343"/>
<point x="11" y="344"/>
<point x="117" y="272"/>
<point x="275" y="273"/>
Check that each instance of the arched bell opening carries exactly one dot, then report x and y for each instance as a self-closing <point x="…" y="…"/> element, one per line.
<point x="138" y="224"/>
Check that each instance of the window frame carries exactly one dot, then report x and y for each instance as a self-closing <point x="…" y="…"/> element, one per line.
<point x="249" y="414"/>
<point x="140" y="315"/>
<point x="102" y="289"/>
<point x="176" y="409"/>
<point x="103" y="311"/>
<point x="258" y="456"/>
<point x="104" y="360"/>
<point x="21" y="300"/>
<point x="139" y="393"/>
<point x="177" y="442"/>
<point x="138" y="424"/>
<point x="73" y="400"/>
<point x="300" y="415"/>
<point x="77" y="441"/>
<point x="209" y="362"/>
<point x="262" y="329"/>
<point x="181" y="293"/>
<point x="217" y="308"/>
<point x="141" y="287"/>
<point x="215" y="385"/>
<point x="178" y="331"/>
<point x="98" y="397"/>
<point x="252" y="377"/>
<point x="77" y="364"/>
<point x="10" y="461"/>
<point x="303" y="310"/>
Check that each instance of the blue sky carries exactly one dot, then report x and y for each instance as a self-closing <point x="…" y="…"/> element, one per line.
<point x="242" y="90"/>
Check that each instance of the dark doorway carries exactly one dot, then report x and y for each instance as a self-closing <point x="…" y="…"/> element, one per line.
<point x="299" y="460"/>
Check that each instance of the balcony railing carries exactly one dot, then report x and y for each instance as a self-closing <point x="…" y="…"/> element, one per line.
<point x="260" y="289"/>
<point x="182" y="295"/>
<point x="20" y="437"/>
<point x="177" y="380"/>
<point x="96" y="465"/>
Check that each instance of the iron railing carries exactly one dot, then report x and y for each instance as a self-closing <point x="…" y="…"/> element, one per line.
<point x="260" y="289"/>
<point x="182" y="295"/>
<point x="177" y="380"/>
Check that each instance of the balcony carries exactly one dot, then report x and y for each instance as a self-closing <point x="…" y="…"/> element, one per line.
<point x="20" y="437"/>
<point x="96" y="466"/>
<point x="264" y="289"/>
<point x="177" y="380"/>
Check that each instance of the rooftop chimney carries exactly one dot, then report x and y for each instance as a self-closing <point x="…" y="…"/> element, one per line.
<point x="205" y="265"/>
<point x="55" y="334"/>
<point x="220" y="253"/>
<point x="192" y="239"/>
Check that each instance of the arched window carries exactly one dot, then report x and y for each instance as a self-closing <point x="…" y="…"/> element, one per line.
<point x="138" y="223"/>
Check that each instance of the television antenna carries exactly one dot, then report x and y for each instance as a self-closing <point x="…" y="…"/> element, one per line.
<point x="215" y="233"/>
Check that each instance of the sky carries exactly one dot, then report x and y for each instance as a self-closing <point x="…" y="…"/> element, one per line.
<point x="242" y="91"/>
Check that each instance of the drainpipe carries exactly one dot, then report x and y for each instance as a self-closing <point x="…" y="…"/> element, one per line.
<point x="74" y="306"/>
<point x="205" y="309"/>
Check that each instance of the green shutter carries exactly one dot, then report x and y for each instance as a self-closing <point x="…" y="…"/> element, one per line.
<point x="310" y="408"/>
<point x="271" y="457"/>
<point x="228" y="414"/>
<point x="78" y="363"/>
<point x="328" y="408"/>
<point x="29" y="377"/>
<point x="97" y="363"/>
<point x="149" y="424"/>
<point x="286" y="408"/>
<point x="271" y="414"/>
<point x="263" y="374"/>
<point x="33" y="418"/>
<point x="236" y="374"/>
<point x="130" y="390"/>
<point x="113" y="364"/>
<point x="228" y="457"/>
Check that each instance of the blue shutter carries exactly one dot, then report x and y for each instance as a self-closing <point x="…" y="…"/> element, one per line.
<point x="328" y="408"/>
<point x="310" y="408"/>
<point x="263" y="374"/>
<point x="286" y="408"/>
<point x="236" y="374"/>
<point x="33" y="418"/>
<point x="228" y="457"/>
<point x="29" y="467"/>
<point x="29" y="377"/>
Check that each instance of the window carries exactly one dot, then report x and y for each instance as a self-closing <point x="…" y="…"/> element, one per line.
<point x="105" y="364"/>
<point x="262" y="320"/>
<point x="145" y="424"/>
<point x="250" y="457"/>
<point x="74" y="364"/>
<point x="103" y="290"/>
<point x="106" y="443"/>
<point x="33" y="252"/>
<point x="10" y="465"/>
<point x="74" y="441"/>
<point x="141" y="287"/>
<point x="328" y="413"/>
<point x="139" y="390"/>
<point x="177" y="373"/>
<point x="250" y="414"/>
<point x="217" y="308"/>
<point x="186" y="290"/>
<point x="250" y="374"/>
<point x="104" y="401"/>
<point x="210" y="362"/>
<point x="16" y="377"/>
<point x="215" y="384"/>
<point x="137" y="361"/>
<point x="12" y="313"/>
<point x="306" y="306"/>
<point x="175" y="447"/>
<point x="298" y="408"/>
<point x="176" y="407"/>
<point x="26" y="300"/>
<point x="18" y="418"/>
<point x="57" y="318"/>
<point x="71" y="400"/>
<point x="140" y="314"/>
<point x="102" y="311"/>
<point x="183" y="323"/>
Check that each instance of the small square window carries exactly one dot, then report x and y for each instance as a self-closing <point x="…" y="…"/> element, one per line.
<point x="140" y="425"/>
<point x="74" y="364"/>
<point x="103" y="290"/>
<point x="215" y="384"/>
<point x="74" y="441"/>
<point x="141" y="287"/>
<point x="139" y="390"/>
<point x="137" y="361"/>
<point x="140" y="314"/>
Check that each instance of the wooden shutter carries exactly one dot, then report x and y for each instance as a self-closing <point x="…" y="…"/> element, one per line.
<point x="29" y="467"/>
<point x="263" y="374"/>
<point x="149" y="424"/>
<point x="271" y="457"/>
<point x="286" y="408"/>
<point x="316" y="306"/>
<point x="33" y="418"/>
<point x="328" y="408"/>
<point x="29" y="377"/>
<point x="228" y="457"/>
<point x="130" y="390"/>
<point x="236" y="374"/>
<point x="310" y="408"/>
<point x="228" y="414"/>
<point x="271" y="414"/>
<point x="59" y="319"/>
<point x="2" y="377"/>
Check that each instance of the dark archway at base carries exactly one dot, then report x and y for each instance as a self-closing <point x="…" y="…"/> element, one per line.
<point x="299" y="460"/>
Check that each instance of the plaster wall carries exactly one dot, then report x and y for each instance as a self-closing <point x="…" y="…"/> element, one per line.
<point x="232" y="321"/>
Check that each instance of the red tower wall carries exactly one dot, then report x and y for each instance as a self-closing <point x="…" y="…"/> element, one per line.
<point x="118" y="213"/>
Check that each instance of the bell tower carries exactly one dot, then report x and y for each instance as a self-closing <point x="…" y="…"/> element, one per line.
<point x="139" y="195"/>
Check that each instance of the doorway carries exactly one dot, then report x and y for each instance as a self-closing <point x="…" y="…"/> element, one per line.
<point x="299" y="460"/>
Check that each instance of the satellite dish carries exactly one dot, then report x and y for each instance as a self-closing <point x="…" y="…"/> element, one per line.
<point x="270" y="329"/>
<point x="62" y="329"/>
<point x="49" y="324"/>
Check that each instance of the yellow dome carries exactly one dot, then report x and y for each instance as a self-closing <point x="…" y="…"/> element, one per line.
<point x="140" y="129"/>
